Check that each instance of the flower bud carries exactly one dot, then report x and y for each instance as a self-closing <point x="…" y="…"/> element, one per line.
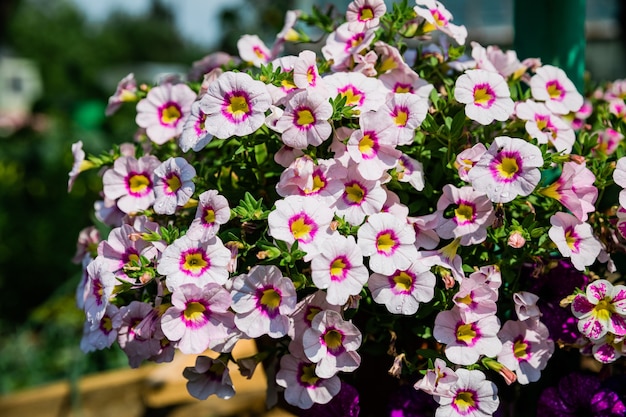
<point x="516" y="240"/>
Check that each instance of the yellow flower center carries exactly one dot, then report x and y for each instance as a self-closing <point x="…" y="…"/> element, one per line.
<point x="483" y="96"/>
<point x="401" y="117"/>
<point x="520" y="349"/>
<point x="333" y="339"/>
<point x="310" y="75"/>
<point x="464" y="213"/>
<point x="385" y="242"/>
<point x="337" y="267"/>
<point x="365" y="14"/>
<point x="194" y="311"/>
<point x="464" y="400"/>
<point x="305" y="117"/>
<point x="571" y="239"/>
<point x="403" y="281"/>
<point x="173" y="184"/>
<point x="170" y="114"/>
<point x="209" y="216"/>
<point x="312" y="313"/>
<point x="301" y="228"/>
<point x="603" y="310"/>
<point x="238" y="106"/>
<point x="194" y="262"/>
<point x="352" y="95"/>
<point x="138" y="183"/>
<point x="318" y="184"/>
<point x="555" y="91"/>
<point x="308" y="376"/>
<point x="367" y="145"/>
<point x="270" y="299"/>
<point x="355" y="193"/>
<point x="465" y="333"/>
<point x="106" y="324"/>
<point x="508" y="167"/>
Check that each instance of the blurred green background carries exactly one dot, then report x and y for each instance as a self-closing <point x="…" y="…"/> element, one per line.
<point x="57" y="70"/>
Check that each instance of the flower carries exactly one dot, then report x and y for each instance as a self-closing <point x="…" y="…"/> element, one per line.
<point x="472" y="395"/>
<point x="601" y="309"/>
<point x="574" y="239"/>
<point x="130" y="184"/>
<point x="262" y="299"/>
<point x="509" y="168"/>
<point x="209" y="376"/>
<point x="551" y="85"/>
<point x="364" y="14"/>
<point x="164" y="110"/>
<point x="438" y="17"/>
<point x="305" y="120"/>
<point x="234" y="104"/>
<point x="173" y="185"/>
<point x="485" y="95"/>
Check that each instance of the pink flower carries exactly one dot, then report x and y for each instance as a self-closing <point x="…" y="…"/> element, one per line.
<point x="364" y="14"/>
<point x="129" y="182"/>
<point x="194" y="135"/>
<point x="601" y="309"/>
<point x="493" y="59"/>
<point x="471" y="396"/>
<point x="164" y="110"/>
<point x="574" y="189"/>
<point x="551" y="85"/>
<point x="173" y="185"/>
<point x="212" y="211"/>
<point x="574" y="239"/>
<point x="545" y="126"/>
<point x="198" y="318"/>
<point x="365" y="93"/>
<point x="209" y="376"/>
<point x="235" y="105"/>
<point x="486" y="96"/>
<point x="343" y="43"/>
<point x="126" y="91"/>
<point x="262" y="301"/>
<point x="437" y="17"/>
<point x="509" y="168"/>
<point x="252" y="49"/>
<point x="305" y="120"/>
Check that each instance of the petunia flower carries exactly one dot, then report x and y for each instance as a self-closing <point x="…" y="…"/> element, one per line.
<point x="212" y="211"/>
<point x="574" y="189"/>
<point x="263" y="299"/>
<point x="601" y="309"/>
<point x="493" y="59"/>
<point x="343" y="43"/>
<point x="164" y="110"/>
<point x="545" y="126"/>
<point x="126" y="91"/>
<point x="608" y="141"/>
<point x="295" y="219"/>
<point x="235" y="105"/>
<point x="104" y="334"/>
<point x="437" y="17"/>
<point x="129" y="182"/>
<point x="551" y="85"/>
<point x="486" y="96"/>
<point x="467" y="158"/>
<point x="406" y="112"/>
<point x="439" y="380"/>
<point x="508" y="169"/>
<point x="388" y="241"/>
<point x="574" y="239"/>
<point x="136" y="347"/>
<point x="360" y="197"/>
<point x="98" y="291"/>
<point x="253" y="50"/>
<point x="194" y="135"/>
<point x="173" y="185"/>
<point x="365" y="93"/>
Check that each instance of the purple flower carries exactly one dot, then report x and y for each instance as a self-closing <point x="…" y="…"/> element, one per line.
<point x="344" y="404"/>
<point x="551" y="288"/>
<point x="580" y="394"/>
<point x="406" y="401"/>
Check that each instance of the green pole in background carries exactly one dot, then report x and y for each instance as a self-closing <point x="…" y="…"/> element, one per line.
<point x="553" y="30"/>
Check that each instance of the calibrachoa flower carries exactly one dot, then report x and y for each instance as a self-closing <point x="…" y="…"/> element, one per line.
<point x="574" y="239"/>
<point x="526" y="349"/>
<point x="129" y="182"/>
<point x="209" y="376"/>
<point x="331" y="343"/>
<point x="467" y="341"/>
<point x="263" y="299"/>
<point x="403" y="290"/>
<point x="486" y="96"/>
<point x="383" y="205"/>
<point x="509" y="168"/>
<point x="472" y="395"/>
<point x="388" y="241"/>
<point x="551" y="85"/>
<point x="303" y="387"/>
<point x="164" y="110"/>
<point x="194" y="261"/>
<point x="235" y="104"/>
<point x="198" y="318"/>
<point x="601" y="309"/>
<point x="173" y="185"/>
<point x="339" y="269"/>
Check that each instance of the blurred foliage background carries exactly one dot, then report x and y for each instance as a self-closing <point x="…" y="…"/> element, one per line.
<point x="79" y="63"/>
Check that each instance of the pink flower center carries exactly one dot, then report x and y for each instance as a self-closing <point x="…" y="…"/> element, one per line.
<point x="354" y="193"/>
<point x="306" y="375"/>
<point x="402" y="88"/>
<point x="366" y="13"/>
<point x="354" y="96"/>
<point x="572" y="239"/>
<point x="268" y="300"/>
<point x="402" y="282"/>
<point x="467" y="333"/>
<point x="333" y="338"/>
<point x="368" y="145"/>
<point x="465" y="401"/>
<point x="400" y="115"/>
<point x="506" y="167"/>
<point x="440" y="19"/>
<point x="354" y="42"/>
<point x="465" y="213"/>
<point x="171" y="184"/>
<point x="195" y="314"/>
<point x="303" y="118"/>
<point x="311" y="76"/>
<point x="138" y="184"/>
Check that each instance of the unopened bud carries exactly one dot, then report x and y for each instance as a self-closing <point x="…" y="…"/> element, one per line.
<point x="516" y="240"/>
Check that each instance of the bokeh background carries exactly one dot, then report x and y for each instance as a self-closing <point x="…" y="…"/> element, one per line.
<point x="59" y="62"/>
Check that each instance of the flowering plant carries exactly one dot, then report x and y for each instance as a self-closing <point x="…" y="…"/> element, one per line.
<point x="455" y="218"/>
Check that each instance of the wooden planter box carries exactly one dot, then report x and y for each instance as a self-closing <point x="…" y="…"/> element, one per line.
<point x="151" y="390"/>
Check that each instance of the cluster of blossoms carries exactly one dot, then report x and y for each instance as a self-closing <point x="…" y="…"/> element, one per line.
<point x="384" y="190"/>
